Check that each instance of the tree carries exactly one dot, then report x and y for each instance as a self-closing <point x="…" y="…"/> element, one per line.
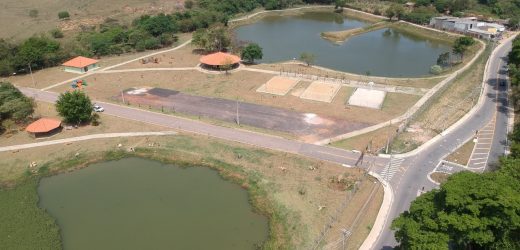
<point x="514" y="22"/>
<point x="75" y="107"/>
<point x="469" y="211"/>
<point x="56" y="33"/>
<point x="395" y="11"/>
<point x="462" y="44"/>
<point x="339" y="4"/>
<point x="215" y="38"/>
<point x="13" y="104"/>
<point x="308" y="58"/>
<point x="63" y="14"/>
<point x="444" y="59"/>
<point x="251" y="52"/>
<point x="227" y="65"/>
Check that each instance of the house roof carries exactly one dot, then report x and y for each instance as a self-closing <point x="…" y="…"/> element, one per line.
<point x="219" y="59"/>
<point x="43" y="125"/>
<point x="79" y="62"/>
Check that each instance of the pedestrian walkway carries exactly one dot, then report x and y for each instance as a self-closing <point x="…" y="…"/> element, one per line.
<point x="391" y="168"/>
<point x="480" y="155"/>
<point x="83" y="138"/>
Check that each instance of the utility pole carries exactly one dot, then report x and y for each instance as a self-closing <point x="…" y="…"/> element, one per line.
<point x="346" y="233"/>
<point x="30" y="72"/>
<point x="237" y="116"/>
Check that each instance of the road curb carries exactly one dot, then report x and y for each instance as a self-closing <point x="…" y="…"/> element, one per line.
<point x="382" y="215"/>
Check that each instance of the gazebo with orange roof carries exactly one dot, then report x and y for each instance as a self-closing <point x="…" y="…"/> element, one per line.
<point x="80" y="65"/>
<point x="43" y="127"/>
<point x="219" y="59"/>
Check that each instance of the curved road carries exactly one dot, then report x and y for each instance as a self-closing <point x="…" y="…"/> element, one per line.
<point x="406" y="174"/>
<point x="408" y="185"/>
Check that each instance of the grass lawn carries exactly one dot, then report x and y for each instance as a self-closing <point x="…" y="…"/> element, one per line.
<point x="24" y="224"/>
<point x="377" y="138"/>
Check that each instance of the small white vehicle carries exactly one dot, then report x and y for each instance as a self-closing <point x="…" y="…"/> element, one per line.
<point x="98" y="108"/>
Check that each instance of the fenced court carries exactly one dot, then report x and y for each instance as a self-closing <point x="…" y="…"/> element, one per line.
<point x="369" y="98"/>
<point x="278" y="85"/>
<point x="321" y="91"/>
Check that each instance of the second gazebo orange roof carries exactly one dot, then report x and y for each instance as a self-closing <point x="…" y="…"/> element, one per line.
<point x="219" y="59"/>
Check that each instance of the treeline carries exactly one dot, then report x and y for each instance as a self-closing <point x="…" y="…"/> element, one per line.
<point x="514" y="76"/>
<point x="14" y="106"/>
<point x="424" y="10"/>
<point x="144" y="33"/>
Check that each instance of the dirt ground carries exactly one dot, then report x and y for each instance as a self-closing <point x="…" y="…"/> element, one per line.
<point x="183" y="57"/>
<point x="439" y="177"/>
<point x="109" y="124"/>
<point x="291" y="184"/>
<point x="242" y="85"/>
<point x="81" y="14"/>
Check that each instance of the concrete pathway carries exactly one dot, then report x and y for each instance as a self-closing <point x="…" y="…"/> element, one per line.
<point x="83" y="138"/>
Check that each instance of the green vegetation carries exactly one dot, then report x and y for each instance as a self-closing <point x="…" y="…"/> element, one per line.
<point x="251" y="52"/>
<point x="308" y="58"/>
<point x="24" y="224"/>
<point x="215" y="38"/>
<point x="63" y="14"/>
<point x="462" y="44"/>
<point x="14" y="106"/>
<point x="514" y="74"/>
<point x="33" y="13"/>
<point x="469" y="211"/>
<point x="75" y="107"/>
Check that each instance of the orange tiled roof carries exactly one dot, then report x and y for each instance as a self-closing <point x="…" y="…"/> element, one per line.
<point x="79" y="62"/>
<point x="43" y="125"/>
<point x="219" y="59"/>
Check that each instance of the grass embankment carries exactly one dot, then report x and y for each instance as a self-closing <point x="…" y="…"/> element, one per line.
<point x="282" y="186"/>
<point x="439" y="177"/>
<point x="343" y="35"/>
<point x="461" y="155"/>
<point x="448" y="107"/>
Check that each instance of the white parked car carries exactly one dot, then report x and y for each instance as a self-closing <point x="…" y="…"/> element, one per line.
<point x="98" y="108"/>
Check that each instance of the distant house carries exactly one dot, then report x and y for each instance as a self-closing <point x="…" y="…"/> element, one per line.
<point x="80" y="65"/>
<point x="468" y="25"/>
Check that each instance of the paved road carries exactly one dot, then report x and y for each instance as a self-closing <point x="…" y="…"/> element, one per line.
<point x="325" y="153"/>
<point x="409" y="182"/>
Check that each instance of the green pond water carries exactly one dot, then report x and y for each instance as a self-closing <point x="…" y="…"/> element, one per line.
<point x="137" y="203"/>
<point x="385" y="52"/>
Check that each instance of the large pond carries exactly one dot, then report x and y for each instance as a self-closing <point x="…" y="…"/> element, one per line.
<point x="386" y="52"/>
<point x="136" y="203"/>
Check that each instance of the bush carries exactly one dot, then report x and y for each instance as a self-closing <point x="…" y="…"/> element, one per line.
<point x="436" y="69"/>
<point x="63" y="15"/>
<point x="33" y="13"/>
<point x="188" y="4"/>
<point x="152" y="43"/>
<point x="56" y="33"/>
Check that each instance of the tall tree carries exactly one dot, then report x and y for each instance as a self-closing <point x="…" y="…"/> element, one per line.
<point x="75" y="107"/>
<point x="308" y="58"/>
<point x="215" y="38"/>
<point x="251" y="52"/>
<point x="462" y="44"/>
<point x="469" y="211"/>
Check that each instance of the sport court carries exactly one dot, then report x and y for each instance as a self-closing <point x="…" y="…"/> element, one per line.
<point x="278" y="85"/>
<point x="321" y="91"/>
<point x="368" y="98"/>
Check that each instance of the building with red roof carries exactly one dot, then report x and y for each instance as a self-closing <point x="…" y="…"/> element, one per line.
<point x="80" y="65"/>
<point x="43" y="127"/>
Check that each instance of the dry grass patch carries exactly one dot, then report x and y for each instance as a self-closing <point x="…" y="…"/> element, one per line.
<point x="377" y="139"/>
<point x="241" y="85"/>
<point x="439" y="177"/>
<point x="290" y="186"/>
<point x="461" y="155"/>
<point x="42" y="78"/>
